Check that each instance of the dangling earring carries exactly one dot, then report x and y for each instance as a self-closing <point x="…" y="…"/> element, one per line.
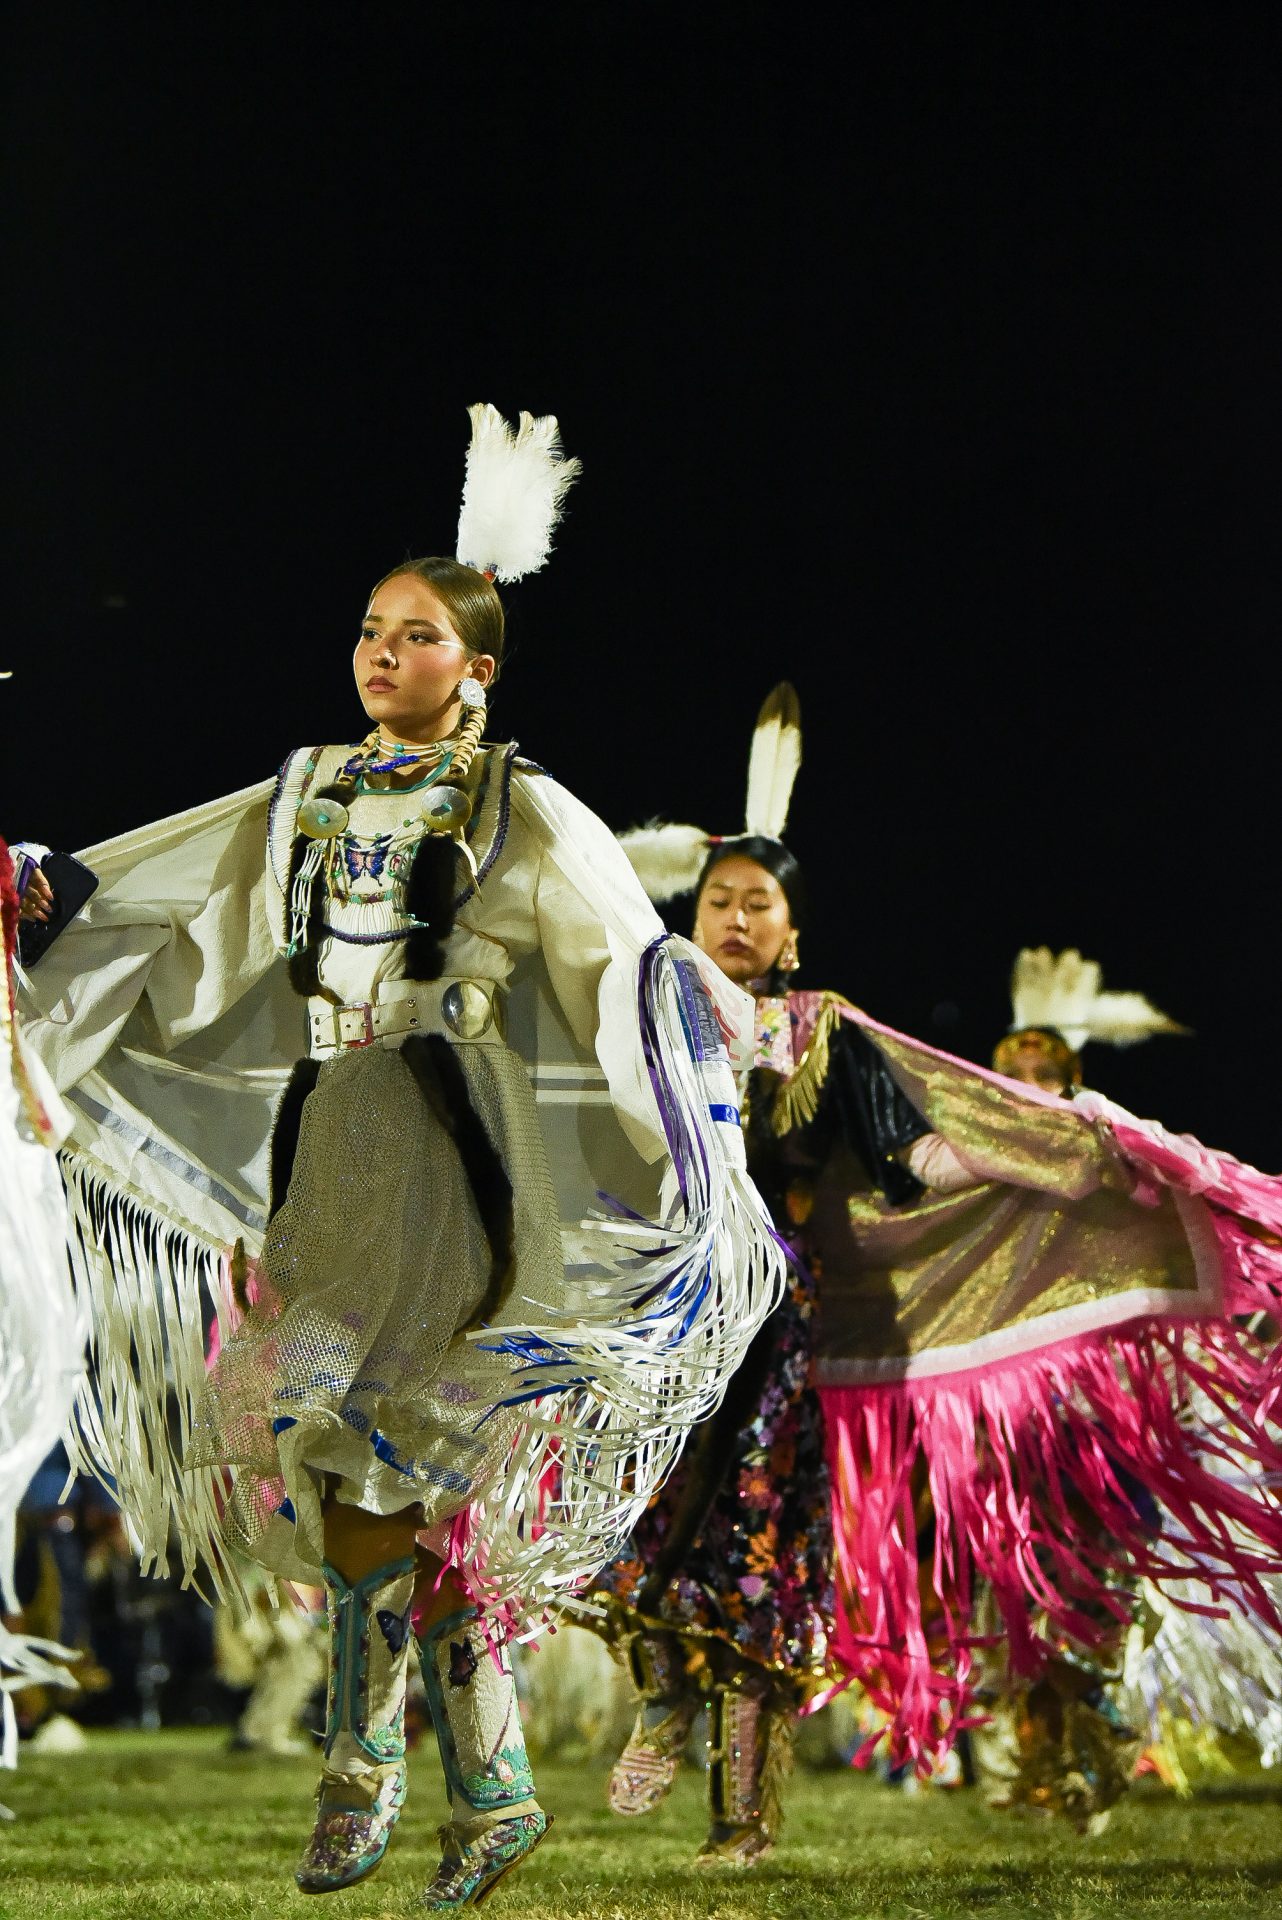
<point x="788" y="961"/>
<point x="447" y="808"/>
<point x="471" y="695"/>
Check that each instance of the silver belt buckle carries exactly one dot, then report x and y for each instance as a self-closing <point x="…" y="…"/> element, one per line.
<point x="353" y="1035"/>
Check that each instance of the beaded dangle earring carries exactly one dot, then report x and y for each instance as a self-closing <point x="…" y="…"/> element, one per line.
<point x="788" y="961"/>
<point x="447" y="809"/>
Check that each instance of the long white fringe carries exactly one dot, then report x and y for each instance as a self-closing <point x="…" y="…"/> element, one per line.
<point x="613" y="1392"/>
<point x="144" y="1285"/>
<point x="607" y="1394"/>
<point x="41" y="1346"/>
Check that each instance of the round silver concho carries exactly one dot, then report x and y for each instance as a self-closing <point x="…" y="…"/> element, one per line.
<point x="446" y="809"/>
<point x="467" y="1009"/>
<point x="322" y="819"/>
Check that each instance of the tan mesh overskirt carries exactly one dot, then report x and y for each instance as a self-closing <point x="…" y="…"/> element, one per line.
<point x="351" y="1364"/>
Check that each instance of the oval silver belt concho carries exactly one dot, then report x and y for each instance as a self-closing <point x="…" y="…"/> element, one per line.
<point x="467" y="1009"/>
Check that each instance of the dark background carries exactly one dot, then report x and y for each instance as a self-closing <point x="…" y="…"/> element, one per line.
<point x="933" y="364"/>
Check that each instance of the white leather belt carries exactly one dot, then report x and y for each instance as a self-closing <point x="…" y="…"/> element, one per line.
<point x="463" y="1009"/>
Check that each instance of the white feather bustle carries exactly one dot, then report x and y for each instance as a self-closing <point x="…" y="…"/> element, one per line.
<point x="516" y="482"/>
<point x="667" y="860"/>
<point x="1065" y="991"/>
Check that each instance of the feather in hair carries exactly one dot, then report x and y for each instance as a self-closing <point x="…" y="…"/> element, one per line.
<point x="1065" y="991"/>
<point x="1122" y="1019"/>
<point x="667" y="860"/>
<point x="512" y="493"/>
<point x="773" y="762"/>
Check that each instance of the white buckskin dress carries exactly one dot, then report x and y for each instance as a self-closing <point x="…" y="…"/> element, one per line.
<point x="530" y="1404"/>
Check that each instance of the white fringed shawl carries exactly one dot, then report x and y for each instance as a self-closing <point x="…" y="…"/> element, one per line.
<point x="168" y="1022"/>
<point x="41" y="1333"/>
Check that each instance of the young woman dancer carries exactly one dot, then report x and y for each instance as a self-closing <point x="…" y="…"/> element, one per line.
<point x="1010" y="1306"/>
<point x="412" y="1355"/>
<point x="726" y="1594"/>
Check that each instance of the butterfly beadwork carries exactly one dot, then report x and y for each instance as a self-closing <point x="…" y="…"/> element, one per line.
<point x="394" y="1627"/>
<point x="462" y="1662"/>
<point x="366" y="863"/>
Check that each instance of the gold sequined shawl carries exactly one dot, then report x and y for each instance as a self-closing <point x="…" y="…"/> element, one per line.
<point x="1049" y="1245"/>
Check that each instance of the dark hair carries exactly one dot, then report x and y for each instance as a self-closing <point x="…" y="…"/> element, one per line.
<point x="475" y="610"/>
<point x="767" y="853"/>
<point x="776" y="859"/>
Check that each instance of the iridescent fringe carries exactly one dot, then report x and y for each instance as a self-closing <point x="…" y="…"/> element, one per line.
<point x="1059" y="1478"/>
<point x="1222" y="1673"/>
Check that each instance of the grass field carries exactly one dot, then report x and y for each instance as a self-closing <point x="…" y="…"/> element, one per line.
<point x="169" y="1827"/>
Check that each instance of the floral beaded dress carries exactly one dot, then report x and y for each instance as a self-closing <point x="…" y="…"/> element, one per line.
<point x="753" y="1580"/>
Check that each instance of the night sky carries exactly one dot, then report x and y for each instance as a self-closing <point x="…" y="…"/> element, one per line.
<point x="935" y="368"/>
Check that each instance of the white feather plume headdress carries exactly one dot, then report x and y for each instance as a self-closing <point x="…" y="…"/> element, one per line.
<point x="516" y="481"/>
<point x="1066" y="992"/>
<point x="669" y="859"/>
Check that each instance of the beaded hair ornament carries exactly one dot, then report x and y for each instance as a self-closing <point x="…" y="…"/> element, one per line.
<point x="514" y="488"/>
<point x="1061" y="997"/>
<point x="669" y="859"/>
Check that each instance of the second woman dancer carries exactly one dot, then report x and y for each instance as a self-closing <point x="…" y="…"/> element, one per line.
<point x="1011" y="1305"/>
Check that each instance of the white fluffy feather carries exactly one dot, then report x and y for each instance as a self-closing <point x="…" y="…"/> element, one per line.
<point x="667" y="860"/>
<point x="1065" y="991"/>
<point x="512" y="494"/>
<point x="773" y="762"/>
<point x="1124" y="1018"/>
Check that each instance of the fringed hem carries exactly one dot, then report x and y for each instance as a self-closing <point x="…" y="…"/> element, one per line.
<point x="26" y="1661"/>
<point x="1055" y="1481"/>
<point x="709" y="1655"/>
<point x="609" y="1394"/>
<point x="606" y="1393"/>
<point x="797" y="1100"/>
<point x="1061" y="1477"/>
<point x="148" y="1288"/>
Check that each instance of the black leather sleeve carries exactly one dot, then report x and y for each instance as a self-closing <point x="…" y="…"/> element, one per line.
<point x="863" y="1105"/>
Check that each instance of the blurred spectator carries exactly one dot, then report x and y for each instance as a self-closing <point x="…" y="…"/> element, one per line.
<point x="279" y="1653"/>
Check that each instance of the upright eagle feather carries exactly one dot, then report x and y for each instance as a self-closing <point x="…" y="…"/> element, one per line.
<point x="773" y="762"/>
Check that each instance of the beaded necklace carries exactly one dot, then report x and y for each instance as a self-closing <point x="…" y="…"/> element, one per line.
<point x="378" y="759"/>
<point x="444" y="809"/>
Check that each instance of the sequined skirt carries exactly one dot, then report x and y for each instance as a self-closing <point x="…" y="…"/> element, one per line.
<point x="758" y="1579"/>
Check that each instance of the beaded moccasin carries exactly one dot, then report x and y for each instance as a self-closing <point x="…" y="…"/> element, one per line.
<point x="470" y="1870"/>
<point x="362" y="1784"/>
<point x="643" y="1774"/>
<point x="740" y="1845"/>
<point x="348" y="1843"/>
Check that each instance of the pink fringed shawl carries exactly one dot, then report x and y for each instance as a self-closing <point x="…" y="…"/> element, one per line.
<point x="1030" y="1352"/>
